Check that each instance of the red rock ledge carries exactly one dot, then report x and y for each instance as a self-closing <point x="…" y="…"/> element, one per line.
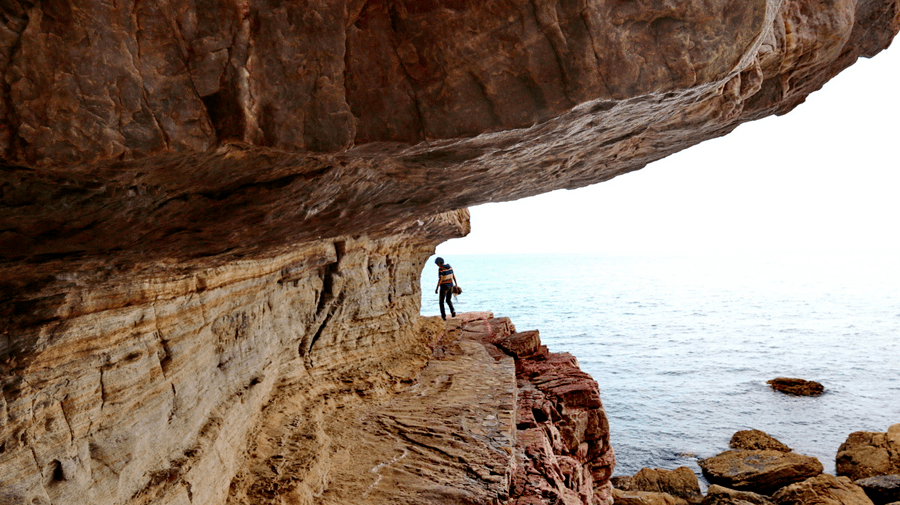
<point x="562" y="450"/>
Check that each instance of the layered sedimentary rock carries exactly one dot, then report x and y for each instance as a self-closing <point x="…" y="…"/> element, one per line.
<point x="147" y="392"/>
<point x="204" y="203"/>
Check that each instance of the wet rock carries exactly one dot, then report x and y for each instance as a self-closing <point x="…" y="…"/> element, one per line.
<point x="718" y="495"/>
<point x="881" y="489"/>
<point x="756" y="440"/>
<point x="759" y="471"/>
<point x="680" y="483"/>
<point x="797" y="387"/>
<point x="822" y="490"/>
<point x="867" y="454"/>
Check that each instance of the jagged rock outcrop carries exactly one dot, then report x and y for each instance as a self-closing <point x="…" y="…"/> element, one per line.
<point x="205" y="203"/>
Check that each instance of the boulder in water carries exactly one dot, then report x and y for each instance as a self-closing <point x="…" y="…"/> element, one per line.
<point x="797" y="387"/>
<point x="762" y="472"/>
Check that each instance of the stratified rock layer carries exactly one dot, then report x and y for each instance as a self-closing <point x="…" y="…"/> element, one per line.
<point x="146" y="392"/>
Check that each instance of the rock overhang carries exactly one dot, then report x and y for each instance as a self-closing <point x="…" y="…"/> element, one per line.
<point x="197" y="135"/>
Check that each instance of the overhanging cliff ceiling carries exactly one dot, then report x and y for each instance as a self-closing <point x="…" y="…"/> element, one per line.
<point x="144" y="133"/>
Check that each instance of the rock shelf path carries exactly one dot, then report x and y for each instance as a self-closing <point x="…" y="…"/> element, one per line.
<point x="456" y="434"/>
<point x="447" y="438"/>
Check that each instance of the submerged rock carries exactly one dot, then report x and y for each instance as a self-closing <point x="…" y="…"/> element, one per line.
<point x="797" y="387"/>
<point x="762" y="472"/>
<point x="822" y="490"/>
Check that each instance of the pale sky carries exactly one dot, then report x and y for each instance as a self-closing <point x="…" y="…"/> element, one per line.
<point x="825" y="176"/>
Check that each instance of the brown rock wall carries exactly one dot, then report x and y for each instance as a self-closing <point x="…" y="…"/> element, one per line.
<point x="182" y="123"/>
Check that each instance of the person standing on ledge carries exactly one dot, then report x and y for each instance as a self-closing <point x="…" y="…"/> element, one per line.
<point x="446" y="281"/>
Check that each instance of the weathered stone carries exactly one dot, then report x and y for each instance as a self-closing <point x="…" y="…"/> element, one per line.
<point x="520" y="345"/>
<point x="759" y="471"/>
<point x="867" y="454"/>
<point x="756" y="440"/>
<point x="645" y="498"/>
<point x="680" y="483"/>
<point x="881" y="489"/>
<point x="718" y="495"/>
<point x="797" y="387"/>
<point x="563" y="452"/>
<point x="623" y="482"/>
<point x="823" y="489"/>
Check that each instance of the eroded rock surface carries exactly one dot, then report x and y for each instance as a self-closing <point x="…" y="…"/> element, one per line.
<point x="761" y="472"/>
<point x="680" y="482"/>
<point x="867" y="454"/>
<point x="823" y="489"/>
<point x="134" y="134"/>
<point x="453" y="435"/>
<point x="756" y="440"/>
<point x="147" y="391"/>
<point x="718" y="495"/>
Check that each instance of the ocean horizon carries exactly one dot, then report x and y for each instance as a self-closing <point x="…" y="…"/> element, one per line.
<point x="682" y="345"/>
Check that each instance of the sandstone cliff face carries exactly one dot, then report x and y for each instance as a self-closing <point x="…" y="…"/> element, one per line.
<point x="203" y="202"/>
<point x="146" y="391"/>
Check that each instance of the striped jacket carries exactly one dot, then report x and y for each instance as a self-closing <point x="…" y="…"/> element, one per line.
<point x="445" y="274"/>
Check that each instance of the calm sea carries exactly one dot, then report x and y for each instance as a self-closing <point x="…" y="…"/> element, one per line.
<point x="682" y="346"/>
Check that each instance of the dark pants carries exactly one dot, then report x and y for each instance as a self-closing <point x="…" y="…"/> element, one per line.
<point x="446" y="294"/>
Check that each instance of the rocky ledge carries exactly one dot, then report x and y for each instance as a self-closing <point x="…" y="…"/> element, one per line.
<point x="493" y="418"/>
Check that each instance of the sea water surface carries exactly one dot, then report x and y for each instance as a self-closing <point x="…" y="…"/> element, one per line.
<point x="682" y="346"/>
